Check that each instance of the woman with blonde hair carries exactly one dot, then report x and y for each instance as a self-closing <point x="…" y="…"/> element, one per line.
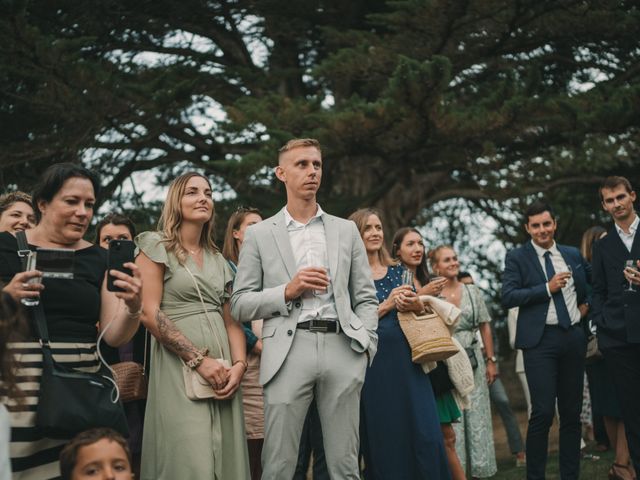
<point x="475" y="432"/>
<point x="400" y="431"/>
<point x="186" y="292"/>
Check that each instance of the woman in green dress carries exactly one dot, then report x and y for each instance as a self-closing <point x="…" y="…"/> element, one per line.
<point x="187" y="285"/>
<point x="475" y="432"/>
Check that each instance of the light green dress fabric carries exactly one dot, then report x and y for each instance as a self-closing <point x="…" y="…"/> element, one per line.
<point x="186" y="439"/>
<point x="474" y="432"/>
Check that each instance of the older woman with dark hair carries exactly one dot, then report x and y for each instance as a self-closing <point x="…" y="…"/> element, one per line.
<point x="64" y="198"/>
<point x="16" y="212"/>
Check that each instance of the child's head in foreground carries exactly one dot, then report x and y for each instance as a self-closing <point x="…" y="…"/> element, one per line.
<point x="99" y="453"/>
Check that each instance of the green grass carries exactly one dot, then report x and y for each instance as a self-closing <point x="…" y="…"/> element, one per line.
<point x="589" y="469"/>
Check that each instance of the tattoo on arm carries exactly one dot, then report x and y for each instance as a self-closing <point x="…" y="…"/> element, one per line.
<point x="173" y="339"/>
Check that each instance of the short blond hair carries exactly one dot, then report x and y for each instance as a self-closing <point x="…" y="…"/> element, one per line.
<point x="298" y="143"/>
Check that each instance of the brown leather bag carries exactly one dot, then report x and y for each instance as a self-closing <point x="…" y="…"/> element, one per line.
<point x="131" y="377"/>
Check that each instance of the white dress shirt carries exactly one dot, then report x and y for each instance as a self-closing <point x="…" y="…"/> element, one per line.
<point x="627" y="238"/>
<point x="309" y="246"/>
<point x="568" y="292"/>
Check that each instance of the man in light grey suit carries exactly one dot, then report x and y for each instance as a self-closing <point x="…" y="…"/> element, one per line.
<point x="306" y="274"/>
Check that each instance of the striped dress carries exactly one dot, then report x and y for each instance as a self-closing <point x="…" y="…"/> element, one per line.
<point x="72" y="310"/>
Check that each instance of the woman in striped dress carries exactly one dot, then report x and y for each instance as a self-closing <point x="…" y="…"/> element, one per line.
<point x="63" y="201"/>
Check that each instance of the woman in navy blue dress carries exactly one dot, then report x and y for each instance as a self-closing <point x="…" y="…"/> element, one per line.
<point x="400" y="430"/>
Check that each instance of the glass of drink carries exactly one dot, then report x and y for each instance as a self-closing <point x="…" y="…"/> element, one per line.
<point x="407" y="277"/>
<point x="630" y="264"/>
<point x="438" y="278"/>
<point x="314" y="259"/>
<point x="31" y="265"/>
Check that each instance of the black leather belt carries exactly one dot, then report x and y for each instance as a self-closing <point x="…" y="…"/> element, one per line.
<point x="322" y="326"/>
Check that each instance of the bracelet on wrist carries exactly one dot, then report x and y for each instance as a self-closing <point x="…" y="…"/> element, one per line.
<point x="136" y="314"/>
<point x="197" y="360"/>
<point x="243" y="362"/>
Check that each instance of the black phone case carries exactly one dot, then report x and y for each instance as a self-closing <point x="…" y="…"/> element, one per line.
<point x="119" y="253"/>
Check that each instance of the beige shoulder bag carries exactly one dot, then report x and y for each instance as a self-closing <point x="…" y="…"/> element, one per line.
<point x="197" y="388"/>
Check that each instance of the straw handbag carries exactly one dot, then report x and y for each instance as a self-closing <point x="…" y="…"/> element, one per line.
<point x="428" y="336"/>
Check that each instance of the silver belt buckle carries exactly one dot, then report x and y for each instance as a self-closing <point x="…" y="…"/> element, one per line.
<point x="317" y="327"/>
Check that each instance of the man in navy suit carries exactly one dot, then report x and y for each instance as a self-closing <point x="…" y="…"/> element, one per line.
<point x="616" y="311"/>
<point x="549" y="283"/>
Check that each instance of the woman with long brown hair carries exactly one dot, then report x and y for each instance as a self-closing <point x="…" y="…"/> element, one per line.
<point x="186" y="292"/>
<point x="408" y="248"/>
<point x="252" y="395"/>
<point x="400" y="431"/>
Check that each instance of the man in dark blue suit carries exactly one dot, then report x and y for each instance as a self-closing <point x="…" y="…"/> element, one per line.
<point x="549" y="283"/>
<point x="616" y="311"/>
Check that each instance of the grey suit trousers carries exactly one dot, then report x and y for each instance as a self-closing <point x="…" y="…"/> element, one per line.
<point x="324" y="366"/>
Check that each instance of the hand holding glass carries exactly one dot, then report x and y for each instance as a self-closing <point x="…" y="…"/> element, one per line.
<point x="630" y="264"/>
<point x="31" y="265"/>
<point x="439" y="278"/>
<point x="314" y="259"/>
<point x="407" y="277"/>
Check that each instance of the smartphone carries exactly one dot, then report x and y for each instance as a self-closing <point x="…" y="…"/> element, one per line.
<point x="119" y="253"/>
<point x="55" y="262"/>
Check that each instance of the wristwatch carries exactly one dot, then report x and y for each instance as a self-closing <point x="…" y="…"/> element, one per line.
<point x="492" y="359"/>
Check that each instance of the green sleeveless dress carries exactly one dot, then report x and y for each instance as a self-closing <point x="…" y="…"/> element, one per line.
<point x="186" y="439"/>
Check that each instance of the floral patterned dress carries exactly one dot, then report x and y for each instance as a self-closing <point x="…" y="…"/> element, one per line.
<point x="474" y="433"/>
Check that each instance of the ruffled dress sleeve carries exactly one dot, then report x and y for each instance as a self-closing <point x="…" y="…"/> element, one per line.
<point x="150" y="243"/>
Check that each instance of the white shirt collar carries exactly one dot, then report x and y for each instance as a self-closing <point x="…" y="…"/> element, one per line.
<point x="541" y="251"/>
<point x="632" y="228"/>
<point x="288" y="219"/>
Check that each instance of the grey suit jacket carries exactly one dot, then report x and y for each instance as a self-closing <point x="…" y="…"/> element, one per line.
<point x="267" y="264"/>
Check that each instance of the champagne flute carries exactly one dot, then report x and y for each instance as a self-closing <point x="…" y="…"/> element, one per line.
<point x="569" y="270"/>
<point x="630" y="264"/>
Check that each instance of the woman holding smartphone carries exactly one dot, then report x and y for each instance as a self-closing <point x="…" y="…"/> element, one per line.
<point x="64" y="198"/>
<point x="186" y="292"/>
<point x="400" y="433"/>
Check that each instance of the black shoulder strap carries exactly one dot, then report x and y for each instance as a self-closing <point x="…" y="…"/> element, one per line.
<point x="38" y="311"/>
<point x="23" y="247"/>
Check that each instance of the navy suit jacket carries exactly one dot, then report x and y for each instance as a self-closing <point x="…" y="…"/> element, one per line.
<point x="524" y="285"/>
<point x="615" y="312"/>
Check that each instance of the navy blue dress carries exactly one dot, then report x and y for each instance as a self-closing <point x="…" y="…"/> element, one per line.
<point x="400" y="430"/>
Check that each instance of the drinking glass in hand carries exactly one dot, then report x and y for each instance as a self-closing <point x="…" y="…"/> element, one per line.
<point x="630" y="264"/>
<point x="314" y="259"/>
<point x="438" y="278"/>
<point x="31" y="265"/>
<point x="407" y="277"/>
